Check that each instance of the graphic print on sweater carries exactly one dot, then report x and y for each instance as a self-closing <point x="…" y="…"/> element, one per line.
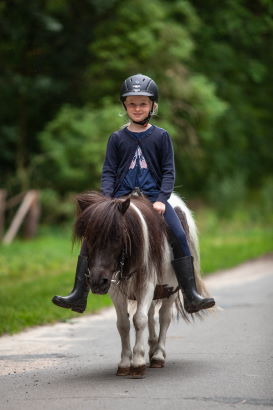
<point x="138" y="158"/>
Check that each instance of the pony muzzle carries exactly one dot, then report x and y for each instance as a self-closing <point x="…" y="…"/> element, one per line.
<point x="99" y="283"/>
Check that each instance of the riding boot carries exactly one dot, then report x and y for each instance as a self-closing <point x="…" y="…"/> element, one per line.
<point x="77" y="299"/>
<point x="184" y="270"/>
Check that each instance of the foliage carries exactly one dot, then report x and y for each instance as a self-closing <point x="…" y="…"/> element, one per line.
<point x="43" y="51"/>
<point x="73" y="146"/>
<point x="232" y="51"/>
<point x="61" y="66"/>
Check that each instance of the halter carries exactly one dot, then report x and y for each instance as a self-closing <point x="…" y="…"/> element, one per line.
<point x="118" y="274"/>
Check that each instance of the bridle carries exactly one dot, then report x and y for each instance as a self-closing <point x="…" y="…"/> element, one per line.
<point x="118" y="275"/>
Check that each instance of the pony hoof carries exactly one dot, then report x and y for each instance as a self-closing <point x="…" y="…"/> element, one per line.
<point x="157" y="363"/>
<point x="137" y="372"/>
<point x="123" y="371"/>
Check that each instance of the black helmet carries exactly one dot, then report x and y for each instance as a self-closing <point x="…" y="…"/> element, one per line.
<point x="139" y="84"/>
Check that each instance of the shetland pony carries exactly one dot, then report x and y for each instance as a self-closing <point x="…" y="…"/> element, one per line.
<point x="129" y="257"/>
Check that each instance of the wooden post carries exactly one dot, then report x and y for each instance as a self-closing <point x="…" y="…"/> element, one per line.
<point x="15" y="200"/>
<point x="19" y="216"/>
<point x="3" y="195"/>
<point x="32" y="217"/>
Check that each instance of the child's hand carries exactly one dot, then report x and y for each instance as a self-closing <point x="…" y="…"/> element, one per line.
<point x="159" y="207"/>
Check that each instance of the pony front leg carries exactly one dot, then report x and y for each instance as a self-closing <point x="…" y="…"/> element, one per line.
<point x="140" y="320"/>
<point x="157" y="359"/>
<point x="123" y="326"/>
<point x="153" y="337"/>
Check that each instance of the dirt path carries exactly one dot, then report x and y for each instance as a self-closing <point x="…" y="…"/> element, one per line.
<point x="223" y="362"/>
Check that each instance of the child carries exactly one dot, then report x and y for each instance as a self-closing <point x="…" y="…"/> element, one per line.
<point x="141" y="156"/>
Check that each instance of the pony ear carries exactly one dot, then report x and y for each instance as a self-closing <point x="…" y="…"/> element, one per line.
<point x="88" y="198"/>
<point x="124" y="205"/>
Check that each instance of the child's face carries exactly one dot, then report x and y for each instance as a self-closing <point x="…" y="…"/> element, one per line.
<point x="138" y="107"/>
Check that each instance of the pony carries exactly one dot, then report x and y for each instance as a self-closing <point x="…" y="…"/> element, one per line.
<point x="129" y="257"/>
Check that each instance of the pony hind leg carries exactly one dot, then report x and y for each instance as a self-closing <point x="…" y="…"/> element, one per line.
<point x="157" y="360"/>
<point x="123" y="325"/>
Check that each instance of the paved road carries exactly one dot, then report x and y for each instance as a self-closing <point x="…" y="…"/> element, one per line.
<point x="224" y="362"/>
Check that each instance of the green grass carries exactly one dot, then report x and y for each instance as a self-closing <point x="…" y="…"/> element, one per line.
<point x="224" y="244"/>
<point x="31" y="272"/>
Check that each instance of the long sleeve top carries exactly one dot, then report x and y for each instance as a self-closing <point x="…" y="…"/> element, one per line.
<point x="156" y="146"/>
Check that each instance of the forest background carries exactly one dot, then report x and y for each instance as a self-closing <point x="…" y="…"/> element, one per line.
<point x="62" y="63"/>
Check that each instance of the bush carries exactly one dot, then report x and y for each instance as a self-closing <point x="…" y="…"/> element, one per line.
<point x="227" y="194"/>
<point x="56" y="208"/>
<point x="73" y="146"/>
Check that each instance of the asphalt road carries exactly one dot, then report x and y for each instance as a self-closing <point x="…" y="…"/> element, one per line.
<point x="223" y="362"/>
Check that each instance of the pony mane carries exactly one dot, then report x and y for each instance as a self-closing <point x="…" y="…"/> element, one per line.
<point x="156" y="230"/>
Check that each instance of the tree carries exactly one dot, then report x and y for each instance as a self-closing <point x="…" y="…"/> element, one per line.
<point x="43" y="53"/>
<point x="232" y="50"/>
<point x="63" y="62"/>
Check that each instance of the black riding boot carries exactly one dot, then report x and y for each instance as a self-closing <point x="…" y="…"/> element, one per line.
<point x="77" y="299"/>
<point x="184" y="270"/>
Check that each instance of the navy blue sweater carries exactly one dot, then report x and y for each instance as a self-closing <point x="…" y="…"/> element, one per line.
<point x="157" y="149"/>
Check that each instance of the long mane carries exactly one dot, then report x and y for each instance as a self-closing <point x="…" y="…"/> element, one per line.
<point x="103" y="220"/>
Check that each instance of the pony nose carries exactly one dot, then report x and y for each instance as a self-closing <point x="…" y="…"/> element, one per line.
<point x="99" y="282"/>
<point x="103" y="281"/>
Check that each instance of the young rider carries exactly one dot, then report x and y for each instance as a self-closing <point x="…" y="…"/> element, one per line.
<point x="141" y="155"/>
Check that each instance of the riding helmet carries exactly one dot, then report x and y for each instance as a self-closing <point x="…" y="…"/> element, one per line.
<point x="139" y="84"/>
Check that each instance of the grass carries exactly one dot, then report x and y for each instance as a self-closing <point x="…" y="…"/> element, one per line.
<point x="31" y="272"/>
<point x="225" y="243"/>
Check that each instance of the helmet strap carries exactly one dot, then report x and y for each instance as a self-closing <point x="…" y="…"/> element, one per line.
<point x="143" y="122"/>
